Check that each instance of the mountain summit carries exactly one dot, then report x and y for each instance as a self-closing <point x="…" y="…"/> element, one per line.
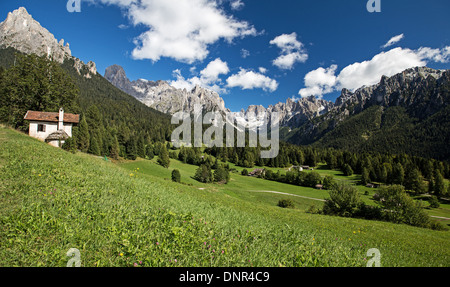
<point x="163" y="97"/>
<point x="21" y="32"/>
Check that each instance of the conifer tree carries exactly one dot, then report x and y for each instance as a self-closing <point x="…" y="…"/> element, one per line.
<point x="82" y="136"/>
<point x="115" y="150"/>
<point x="163" y="158"/>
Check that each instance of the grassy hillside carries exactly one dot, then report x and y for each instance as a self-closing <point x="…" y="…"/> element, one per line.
<point x="119" y="215"/>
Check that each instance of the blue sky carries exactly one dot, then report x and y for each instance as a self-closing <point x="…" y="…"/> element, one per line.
<point x="254" y="52"/>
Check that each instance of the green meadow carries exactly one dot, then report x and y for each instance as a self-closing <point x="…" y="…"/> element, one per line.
<point x="132" y="214"/>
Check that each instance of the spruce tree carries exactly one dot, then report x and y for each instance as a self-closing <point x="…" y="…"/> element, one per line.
<point x="176" y="176"/>
<point x="365" y="177"/>
<point x="439" y="184"/>
<point x="115" y="150"/>
<point x="94" y="147"/>
<point x="83" y="137"/>
<point x="163" y="158"/>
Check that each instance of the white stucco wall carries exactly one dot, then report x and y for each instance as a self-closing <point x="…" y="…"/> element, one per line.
<point x="50" y="127"/>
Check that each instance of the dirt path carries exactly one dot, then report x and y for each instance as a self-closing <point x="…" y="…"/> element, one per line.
<point x="290" y="194"/>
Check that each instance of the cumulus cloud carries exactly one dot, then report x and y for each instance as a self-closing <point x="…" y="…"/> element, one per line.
<point x="209" y="77"/>
<point x="249" y="80"/>
<point x="394" y="40"/>
<point x="292" y="51"/>
<point x="322" y="81"/>
<point x="237" y="4"/>
<point x="319" y="82"/>
<point x="180" y="29"/>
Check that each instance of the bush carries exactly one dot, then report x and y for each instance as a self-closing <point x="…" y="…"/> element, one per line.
<point x="204" y="174"/>
<point x="70" y="145"/>
<point x="313" y="209"/>
<point x="244" y="172"/>
<point x="434" y="202"/>
<point x="176" y="176"/>
<point x="221" y="175"/>
<point x="312" y="179"/>
<point x="286" y="203"/>
<point x="329" y="182"/>
<point x="344" y="201"/>
<point x="399" y="207"/>
<point x="347" y="170"/>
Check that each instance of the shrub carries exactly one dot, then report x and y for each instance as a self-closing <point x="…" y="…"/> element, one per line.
<point x="70" y="145"/>
<point x="204" y="174"/>
<point x="312" y="179"/>
<point x="286" y="203"/>
<point x="221" y="175"/>
<point x="399" y="207"/>
<point x="313" y="209"/>
<point x="344" y="201"/>
<point x="244" y="172"/>
<point x="434" y="202"/>
<point x="329" y="182"/>
<point x="347" y="170"/>
<point x="176" y="176"/>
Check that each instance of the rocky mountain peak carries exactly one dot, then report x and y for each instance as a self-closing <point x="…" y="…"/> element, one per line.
<point x="161" y="96"/>
<point x="21" y="32"/>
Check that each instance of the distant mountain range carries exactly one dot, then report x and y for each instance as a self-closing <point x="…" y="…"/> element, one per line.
<point x="408" y="112"/>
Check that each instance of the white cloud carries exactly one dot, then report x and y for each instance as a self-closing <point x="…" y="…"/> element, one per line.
<point x="245" y="53"/>
<point x="249" y="80"/>
<point x="436" y="55"/>
<point x="262" y="70"/>
<point x="393" y="41"/>
<point x="237" y="4"/>
<point x="180" y="29"/>
<point x="209" y="77"/>
<point x="292" y="51"/>
<point x="322" y="81"/>
<point x="319" y="82"/>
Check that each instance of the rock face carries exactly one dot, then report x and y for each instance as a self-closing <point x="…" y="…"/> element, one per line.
<point x="412" y="88"/>
<point x="163" y="97"/>
<point x="22" y="32"/>
<point x="421" y="91"/>
<point x="292" y="113"/>
<point x="167" y="99"/>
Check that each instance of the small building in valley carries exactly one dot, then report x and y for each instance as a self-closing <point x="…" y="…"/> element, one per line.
<point x="257" y="172"/>
<point x="53" y="128"/>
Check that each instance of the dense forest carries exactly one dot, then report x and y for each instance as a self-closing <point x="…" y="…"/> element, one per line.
<point x="112" y="123"/>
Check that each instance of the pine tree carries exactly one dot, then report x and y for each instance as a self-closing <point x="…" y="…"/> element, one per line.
<point x="114" y="153"/>
<point x="141" y="147"/>
<point x="82" y="136"/>
<point x="347" y="170"/>
<point x="439" y="184"/>
<point x="94" y="147"/>
<point x="414" y="181"/>
<point x="365" y="177"/>
<point x="221" y="174"/>
<point x="131" y="149"/>
<point x="163" y="158"/>
<point x="176" y="176"/>
<point x="204" y="174"/>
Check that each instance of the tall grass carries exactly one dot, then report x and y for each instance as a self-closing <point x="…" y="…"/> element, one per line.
<point x="51" y="201"/>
